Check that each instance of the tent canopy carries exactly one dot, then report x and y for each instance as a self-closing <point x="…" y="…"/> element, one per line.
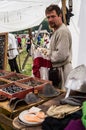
<point x="18" y="15"/>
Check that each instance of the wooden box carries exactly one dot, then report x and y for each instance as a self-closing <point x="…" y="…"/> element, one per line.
<point x="4" y="73"/>
<point x="36" y="83"/>
<point x="16" y="90"/>
<point x="15" y="76"/>
<point x="4" y="82"/>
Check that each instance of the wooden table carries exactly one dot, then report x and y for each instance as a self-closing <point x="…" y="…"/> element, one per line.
<point x="7" y="115"/>
<point x="7" y="110"/>
<point x="44" y="106"/>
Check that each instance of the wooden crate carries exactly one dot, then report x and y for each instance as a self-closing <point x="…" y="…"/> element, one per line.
<point x="15" y="76"/>
<point x="36" y="83"/>
<point x="18" y="94"/>
<point x="4" y="82"/>
<point x="4" y="73"/>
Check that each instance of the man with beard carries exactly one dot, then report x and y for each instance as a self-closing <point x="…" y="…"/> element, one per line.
<point x="60" y="50"/>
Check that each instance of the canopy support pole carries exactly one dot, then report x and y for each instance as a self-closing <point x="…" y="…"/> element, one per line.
<point x="64" y="10"/>
<point x="28" y="54"/>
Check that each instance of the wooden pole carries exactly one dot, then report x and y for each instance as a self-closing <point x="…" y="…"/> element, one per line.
<point x="19" y="60"/>
<point x="28" y="54"/>
<point x="64" y="10"/>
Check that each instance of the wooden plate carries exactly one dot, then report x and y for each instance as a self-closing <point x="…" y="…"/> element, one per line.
<point x="25" y="122"/>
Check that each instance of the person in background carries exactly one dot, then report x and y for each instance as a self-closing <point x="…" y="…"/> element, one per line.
<point x="16" y="40"/>
<point x="12" y="53"/>
<point x="28" y="44"/>
<point x="19" y="42"/>
<point x="60" y="50"/>
<point x="39" y="40"/>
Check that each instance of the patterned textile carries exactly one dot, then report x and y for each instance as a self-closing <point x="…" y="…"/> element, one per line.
<point x="41" y="64"/>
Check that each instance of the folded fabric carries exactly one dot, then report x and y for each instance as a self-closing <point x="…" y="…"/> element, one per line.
<point x="62" y="110"/>
<point x="51" y="123"/>
<point x="75" y="125"/>
<point x="71" y="101"/>
<point x="84" y="114"/>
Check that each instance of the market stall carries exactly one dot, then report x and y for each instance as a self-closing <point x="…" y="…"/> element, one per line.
<point x="68" y="111"/>
<point x="10" y="109"/>
<point x="60" y="105"/>
<point x="35" y="95"/>
<point x="9" y="113"/>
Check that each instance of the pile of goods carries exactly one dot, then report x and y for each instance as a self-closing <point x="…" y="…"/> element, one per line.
<point x="2" y="82"/>
<point x="12" y="89"/>
<point x="14" y="78"/>
<point x="32" y="83"/>
<point x="2" y="74"/>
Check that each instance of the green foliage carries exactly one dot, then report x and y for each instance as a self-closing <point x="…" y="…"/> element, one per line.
<point x="28" y="67"/>
<point x="44" y="27"/>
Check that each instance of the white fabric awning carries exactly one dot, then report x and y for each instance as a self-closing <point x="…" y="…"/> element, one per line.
<point x="18" y="15"/>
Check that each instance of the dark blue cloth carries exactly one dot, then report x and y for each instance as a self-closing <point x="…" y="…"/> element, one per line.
<point x="51" y="123"/>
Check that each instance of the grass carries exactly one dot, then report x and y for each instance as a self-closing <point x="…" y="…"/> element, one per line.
<point x="20" y="59"/>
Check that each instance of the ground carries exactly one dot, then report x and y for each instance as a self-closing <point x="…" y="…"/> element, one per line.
<point x="20" y="59"/>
